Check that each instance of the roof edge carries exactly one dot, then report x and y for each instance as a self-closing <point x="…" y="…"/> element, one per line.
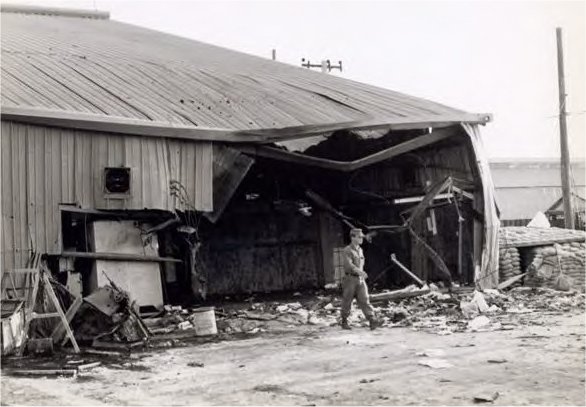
<point x="54" y="11"/>
<point x="124" y="125"/>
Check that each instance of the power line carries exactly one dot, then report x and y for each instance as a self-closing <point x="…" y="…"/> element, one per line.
<point x="325" y="65"/>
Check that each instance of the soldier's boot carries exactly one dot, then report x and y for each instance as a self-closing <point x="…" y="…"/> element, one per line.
<point x="345" y="324"/>
<point x="373" y="323"/>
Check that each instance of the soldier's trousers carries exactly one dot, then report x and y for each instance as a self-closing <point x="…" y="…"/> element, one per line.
<point x="354" y="287"/>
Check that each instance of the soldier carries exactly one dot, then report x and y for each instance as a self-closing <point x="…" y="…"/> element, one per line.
<point x="353" y="282"/>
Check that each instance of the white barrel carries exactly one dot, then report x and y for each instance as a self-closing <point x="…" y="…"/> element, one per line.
<point x="204" y="321"/>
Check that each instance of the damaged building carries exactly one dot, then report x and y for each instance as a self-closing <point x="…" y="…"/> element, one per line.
<point x="182" y="170"/>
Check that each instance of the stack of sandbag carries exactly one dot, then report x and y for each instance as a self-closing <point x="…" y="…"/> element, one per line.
<point x="509" y="264"/>
<point x="558" y="266"/>
<point x="572" y="260"/>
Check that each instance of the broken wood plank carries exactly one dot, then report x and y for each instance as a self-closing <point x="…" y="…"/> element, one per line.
<point x="165" y="330"/>
<point x="49" y="290"/>
<point x="397" y="295"/>
<point x="103" y="352"/>
<point x="432" y="254"/>
<point x="510" y="281"/>
<point x="59" y="330"/>
<point x="75" y="362"/>
<point x="431" y="194"/>
<point x="42" y="372"/>
<point x="406" y="270"/>
<point x="88" y="366"/>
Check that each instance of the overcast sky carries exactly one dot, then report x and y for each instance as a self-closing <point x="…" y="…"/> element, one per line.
<point x="489" y="56"/>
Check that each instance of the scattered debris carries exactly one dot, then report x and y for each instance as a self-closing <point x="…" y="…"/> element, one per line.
<point x="426" y="310"/>
<point x="497" y="360"/>
<point x="431" y="353"/>
<point x="185" y="325"/>
<point x="486" y="398"/>
<point x="435" y="363"/>
<point x="363" y="381"/>
<point x="478" y="323"/>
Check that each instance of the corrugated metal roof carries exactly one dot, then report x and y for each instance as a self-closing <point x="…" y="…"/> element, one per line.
<point x="108" y="68"/>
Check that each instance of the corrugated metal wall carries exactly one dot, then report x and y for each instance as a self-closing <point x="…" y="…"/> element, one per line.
<point x="43" y="167"/>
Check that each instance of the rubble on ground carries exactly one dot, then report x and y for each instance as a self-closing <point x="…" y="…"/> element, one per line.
<point x="434" y="312"/>
<point x="478" y="311"/>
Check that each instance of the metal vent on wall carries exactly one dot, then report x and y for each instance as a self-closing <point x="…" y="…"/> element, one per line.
<point x="117" y="180"/>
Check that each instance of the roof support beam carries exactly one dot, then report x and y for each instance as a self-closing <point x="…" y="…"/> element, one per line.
<point x="349" y="166"/>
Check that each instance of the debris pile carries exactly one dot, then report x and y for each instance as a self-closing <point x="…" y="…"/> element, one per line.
<point x="444" y="314"/>
<point x="107" y="318"/>
<point x="560" y="266"/>
<point x="260" y="317"/>
<point x="175" y="318"/>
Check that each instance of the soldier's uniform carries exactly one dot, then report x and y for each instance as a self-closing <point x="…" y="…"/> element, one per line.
<point x="354" y="284"/>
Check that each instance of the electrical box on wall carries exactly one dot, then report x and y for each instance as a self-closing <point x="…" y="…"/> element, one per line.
<point x="117" y="182"/>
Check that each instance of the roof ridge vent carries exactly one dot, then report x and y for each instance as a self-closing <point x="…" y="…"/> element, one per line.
<point x="55" y="11"/>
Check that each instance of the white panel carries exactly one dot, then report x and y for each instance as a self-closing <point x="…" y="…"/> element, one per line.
<point x="122" y="237"/>
<point x="142" y="280"/>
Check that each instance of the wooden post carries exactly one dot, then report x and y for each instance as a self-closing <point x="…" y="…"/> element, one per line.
<point x="565" y="153"/>
<point x="53" y="298"/>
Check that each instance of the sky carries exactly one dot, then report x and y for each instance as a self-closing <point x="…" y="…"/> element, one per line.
<point x="495" y="57"/>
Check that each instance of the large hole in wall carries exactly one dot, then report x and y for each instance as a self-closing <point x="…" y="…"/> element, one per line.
<point x="272" y="237"/>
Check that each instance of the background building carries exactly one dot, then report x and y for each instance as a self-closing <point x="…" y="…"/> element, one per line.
<point x="525" y="186"/>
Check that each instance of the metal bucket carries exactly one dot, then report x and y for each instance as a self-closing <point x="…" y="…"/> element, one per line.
<point x="204" y="321"/>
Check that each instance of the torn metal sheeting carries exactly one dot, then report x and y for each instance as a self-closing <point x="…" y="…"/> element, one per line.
<point x="105" y="299"/>
<point x="349" y="166"/>
<point x="229" y="168"/>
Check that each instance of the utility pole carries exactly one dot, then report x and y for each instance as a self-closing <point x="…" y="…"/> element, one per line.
<point x="565" y="152"/>
<point x="274" y="54"/>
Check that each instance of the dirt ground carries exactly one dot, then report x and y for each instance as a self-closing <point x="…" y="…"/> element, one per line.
<point x="529" y="365"/>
